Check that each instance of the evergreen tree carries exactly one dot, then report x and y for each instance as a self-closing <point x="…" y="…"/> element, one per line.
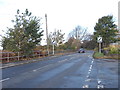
<point x="106" y="29"/>
<point x="25" y="34"/>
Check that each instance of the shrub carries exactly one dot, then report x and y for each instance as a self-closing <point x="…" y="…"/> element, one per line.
<point x="113" y="50"/>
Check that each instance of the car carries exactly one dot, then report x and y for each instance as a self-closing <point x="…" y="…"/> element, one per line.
<point x="81" y="50"/>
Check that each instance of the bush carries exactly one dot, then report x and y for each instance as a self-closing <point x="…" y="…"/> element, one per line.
<point x="113" y="50"/>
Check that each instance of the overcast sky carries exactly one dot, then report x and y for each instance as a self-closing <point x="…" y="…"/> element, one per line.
<point x="62" y="14"/>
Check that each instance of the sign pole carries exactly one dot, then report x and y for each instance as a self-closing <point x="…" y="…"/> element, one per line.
<point x="99" y="47"/>
<point x="99" y="40"/>
<point x="53" y="49"/>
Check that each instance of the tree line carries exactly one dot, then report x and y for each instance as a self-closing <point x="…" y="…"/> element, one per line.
<point x="26" y="35"/>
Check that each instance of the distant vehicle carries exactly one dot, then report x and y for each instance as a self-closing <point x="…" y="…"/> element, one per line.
<point x="81" y="50"/>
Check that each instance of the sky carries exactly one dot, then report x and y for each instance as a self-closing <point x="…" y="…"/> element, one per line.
<point x="61" y="14"/>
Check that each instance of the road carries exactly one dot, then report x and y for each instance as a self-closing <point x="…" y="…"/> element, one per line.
<point x="78" y="70"/>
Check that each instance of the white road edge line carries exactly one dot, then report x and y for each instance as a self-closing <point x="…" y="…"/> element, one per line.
<point x="4" y="79"/>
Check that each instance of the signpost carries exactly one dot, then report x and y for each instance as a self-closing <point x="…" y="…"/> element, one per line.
<point x="99" y="40"/>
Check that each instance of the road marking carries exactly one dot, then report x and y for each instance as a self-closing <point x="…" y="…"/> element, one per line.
<point x="87" y="76"/>
<point x="92" y="62"/>
<point x="89" y="70"/>
<point x="42" y="67"/>
<point x="4" y="79"/>
<point x="88" y="80"/>
<point x="100" y="86"/>
<point x="72" y="58"/>
<point x="63" y="60"/>
<point x="90" y="66"/>
<point x="99" y="81"/>
<point x="85" y="86"/>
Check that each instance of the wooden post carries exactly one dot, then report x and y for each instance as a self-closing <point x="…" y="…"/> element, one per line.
<point x="18" y="56"/>
<point x="8" y="57"/>
<point x="53" y="49"/>
<point x="39" y="53"/>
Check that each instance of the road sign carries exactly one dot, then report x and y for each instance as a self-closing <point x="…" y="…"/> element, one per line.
<point x="99" y="39"/>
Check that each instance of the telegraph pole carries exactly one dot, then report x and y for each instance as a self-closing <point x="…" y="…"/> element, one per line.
<point x="47" y="34"/>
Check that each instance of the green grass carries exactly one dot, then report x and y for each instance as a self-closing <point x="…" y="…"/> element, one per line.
<point x="98" y="55"/>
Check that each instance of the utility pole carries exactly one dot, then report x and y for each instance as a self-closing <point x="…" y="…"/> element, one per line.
<point x="47" y="34"/>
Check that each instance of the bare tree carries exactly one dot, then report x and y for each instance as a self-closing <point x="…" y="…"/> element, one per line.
<point x="78" y="33"/>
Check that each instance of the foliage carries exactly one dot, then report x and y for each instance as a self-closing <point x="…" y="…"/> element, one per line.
<point x="25" y="34"/>
<point x="113" y="50"/>
<point x="89" y="44"/>
<point x="73" y="43"/>
<point x="106" y="29"/>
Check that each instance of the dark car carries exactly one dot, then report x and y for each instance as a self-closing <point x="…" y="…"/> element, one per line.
<point x="81" y="50"/>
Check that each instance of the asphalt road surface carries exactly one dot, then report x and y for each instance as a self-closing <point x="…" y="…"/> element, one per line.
<point x="78" y="70"/>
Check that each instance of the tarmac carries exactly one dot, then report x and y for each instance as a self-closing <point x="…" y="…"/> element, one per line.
<point x="12" y="64"/>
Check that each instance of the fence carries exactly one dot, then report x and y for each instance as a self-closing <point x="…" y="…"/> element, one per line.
<point x="17" y="56"/>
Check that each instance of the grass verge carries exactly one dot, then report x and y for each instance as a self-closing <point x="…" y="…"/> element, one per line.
<point x="98" y="55"/>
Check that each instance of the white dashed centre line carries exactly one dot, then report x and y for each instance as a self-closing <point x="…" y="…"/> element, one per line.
<point x="92" y="62"/>
<point x="89" y="71"/>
